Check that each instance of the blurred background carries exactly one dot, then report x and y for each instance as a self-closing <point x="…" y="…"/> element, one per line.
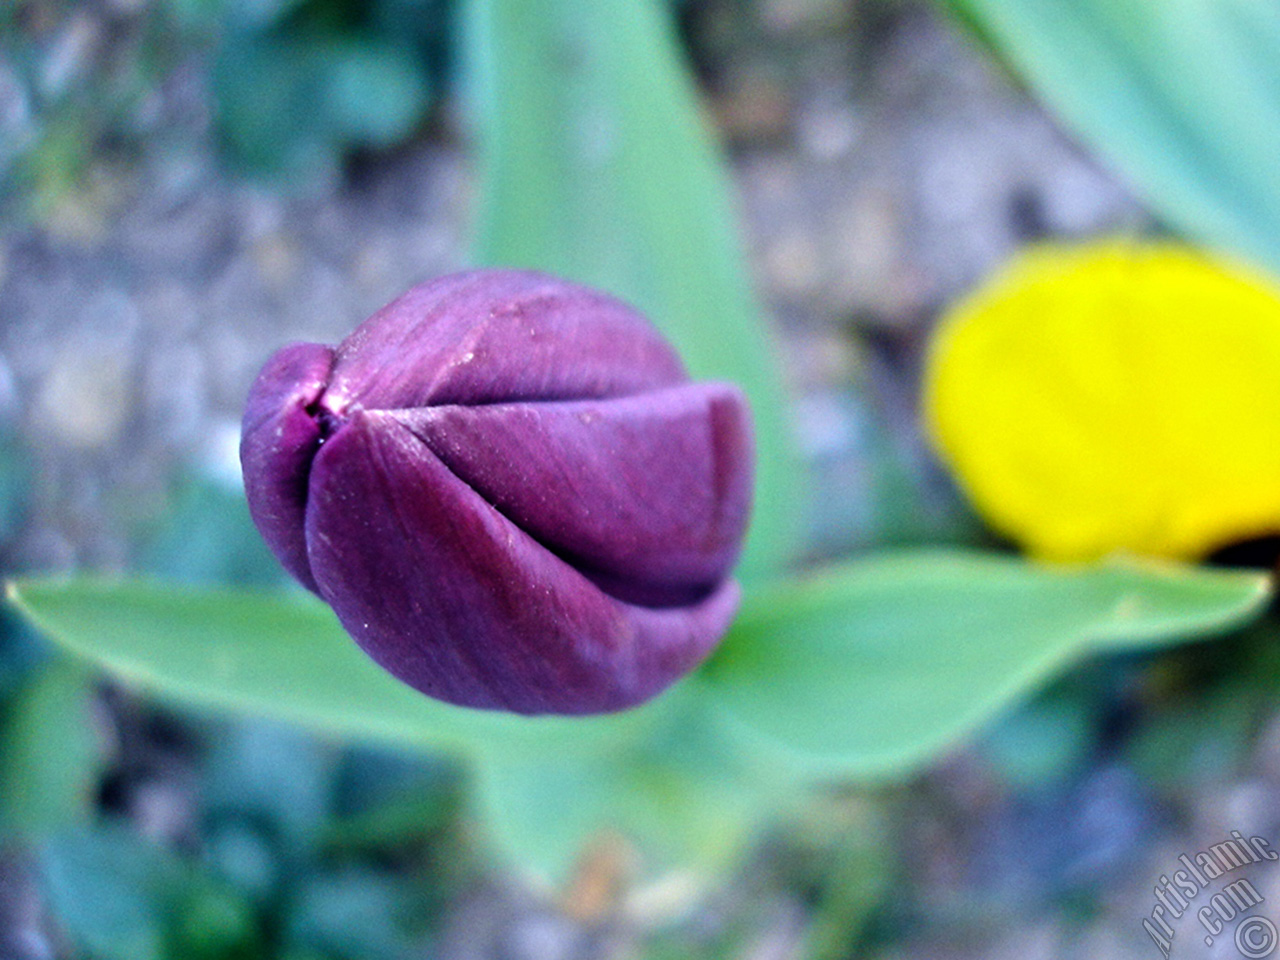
<point x="187" y="184"/>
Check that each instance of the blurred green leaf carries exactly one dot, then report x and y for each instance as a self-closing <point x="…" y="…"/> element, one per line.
<point x="15" y="482"/>
<point x="266" y="97"/>
<point x="1206" y="739"/>
<point x="429" y="24"/>
<point x="109" y="891"/>
<point x="1045" y="742"/>
<point x="50" y="757"/>
<point x="876" y="666"/>
<point x="240" y="854"/>
<point x="247" y="15"/>
<point x="840" y="851"/>
<point x="658" y="773"/>
<point x="22" y="651"/>
<point x="681" y="796"/>
<point x="295" y="103"/>
<point x="275" y="777"/>
<point x="1182" y="97"/>
<point x="285" y="656"/>
<point x="374" y="94"/>
<point x="596" y="166"/>
<point x="387" y="801"/>
<point x="351" y="914"/>
<point x="213" y="923"/>
<point x="867" y="669"/>
<point x="394" y="824"/>
<point x="209" y="537"/>
<point x="118" y="896"/>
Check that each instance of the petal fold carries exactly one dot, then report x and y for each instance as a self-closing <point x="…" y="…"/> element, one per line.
<point x="450" y="595"/>
<point x="647" y="494"/>
<point x="279" y="438"/>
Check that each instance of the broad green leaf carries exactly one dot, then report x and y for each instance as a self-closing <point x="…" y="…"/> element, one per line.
<point x="663" y="775"/>
<point x="596" y="166"/>
<point x="50" y="757"/>
<point x="875" y="667"/>
<point x="1181" y="96"/>
<point x="283" y="656"/>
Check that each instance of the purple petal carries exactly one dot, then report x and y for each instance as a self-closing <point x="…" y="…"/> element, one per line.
<point x="647" y="494"/>
<point x="452" y="597"/>
<point x="278" y="441"/>
<point x="491" y="336"/>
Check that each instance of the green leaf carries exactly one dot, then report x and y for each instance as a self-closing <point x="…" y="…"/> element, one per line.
<point x="374" y="93"/>
<point x="596" y="166"/>
<point x="110" y="891"/>
<point x="1205" y="740"/>
<point x="119" y="896"/>
<point x="284" y="656"/>
<point x="294" y="103"/>
<point x="15" y="482"/>
<point x="355" y="913"/>
<point x="273" y="776"/>
<point x="874" y="667"/>
<point x="1183" y="98"/>
<point x="214" y="923"/>
<point x="208" y="537"/>
<point x="50" y="757"/>
<point x="662" y="774"/>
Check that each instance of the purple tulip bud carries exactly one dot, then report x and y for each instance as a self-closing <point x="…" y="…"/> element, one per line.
<point x="509" y="492"/>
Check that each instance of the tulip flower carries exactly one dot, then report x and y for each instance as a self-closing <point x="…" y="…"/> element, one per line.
<point x="1114" y="397"/>
<point x="509" y="491"/>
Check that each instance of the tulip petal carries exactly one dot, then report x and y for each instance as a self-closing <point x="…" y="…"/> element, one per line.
<point x="449" y="595"/>
<point x="279" y="439"/>
<point x="648" y="494"/>
<point x="498" y="336"/>
<point x="1114" y="397"/>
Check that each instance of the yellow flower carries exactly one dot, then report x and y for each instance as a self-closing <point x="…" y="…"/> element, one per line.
<point x="1114" y="397"/>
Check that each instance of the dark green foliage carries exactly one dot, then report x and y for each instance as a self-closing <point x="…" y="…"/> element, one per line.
<point x="295" y="88"/>
<point x="120" y="897"/>
<point x="299" y="85"/>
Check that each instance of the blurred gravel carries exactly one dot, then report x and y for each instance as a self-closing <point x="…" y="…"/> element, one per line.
<point x="131" y="353"/>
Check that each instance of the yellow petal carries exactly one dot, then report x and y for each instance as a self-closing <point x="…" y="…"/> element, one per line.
<point x="1114" y="397"/>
